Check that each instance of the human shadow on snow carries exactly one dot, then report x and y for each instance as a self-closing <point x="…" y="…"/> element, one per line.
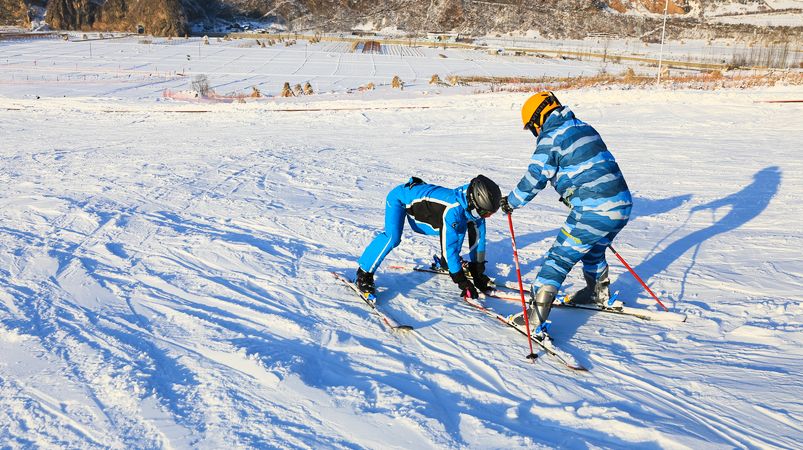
<point x="501" y="251"/>
<point x="642" y="207"/>
<point x="744" y="206"/>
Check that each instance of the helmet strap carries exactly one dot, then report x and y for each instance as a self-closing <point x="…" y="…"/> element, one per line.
<point x="533" y="124"/>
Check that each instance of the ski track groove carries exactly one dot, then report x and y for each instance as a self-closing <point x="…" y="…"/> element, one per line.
<point x="173" y="277"/>
<point x="729" y="430"/>
<point x="58" y="342"/>
<point x="48" y="407"/>
<point x="68" y="266"/>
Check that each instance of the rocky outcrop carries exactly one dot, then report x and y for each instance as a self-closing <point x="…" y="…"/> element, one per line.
<point x="71" y="14"/>
<point x="549" y="18"/>
<point x="674" y="7"/>
<point x="14" y="12"/>
<point x="159" y="17"/>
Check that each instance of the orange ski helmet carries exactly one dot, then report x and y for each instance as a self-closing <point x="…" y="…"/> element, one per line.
<point x="536" y="109"/>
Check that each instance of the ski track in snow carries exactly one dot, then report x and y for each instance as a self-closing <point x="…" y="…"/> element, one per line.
<point x="164" y="278"/>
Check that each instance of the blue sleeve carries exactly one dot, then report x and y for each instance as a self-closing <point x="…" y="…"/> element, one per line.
<point x="541" y="169"/>
<point x="477" y="250"/>
<point x="452" y="235"/>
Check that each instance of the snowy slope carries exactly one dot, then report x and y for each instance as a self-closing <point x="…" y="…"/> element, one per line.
<point x="164" y="276"/>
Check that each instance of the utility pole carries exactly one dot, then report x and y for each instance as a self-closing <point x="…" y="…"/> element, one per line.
<point x="661" y="54"/>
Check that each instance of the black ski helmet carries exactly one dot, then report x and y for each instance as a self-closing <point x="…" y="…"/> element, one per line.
<point x="483" y="195"/>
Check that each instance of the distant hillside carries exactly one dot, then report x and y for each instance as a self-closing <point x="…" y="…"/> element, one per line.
<point x="14" y="12"/>
<point x="160" y="17"/>
<point x="549" y="18"/>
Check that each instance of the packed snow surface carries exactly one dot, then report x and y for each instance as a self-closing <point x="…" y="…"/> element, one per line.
<point x="165" y="274"/>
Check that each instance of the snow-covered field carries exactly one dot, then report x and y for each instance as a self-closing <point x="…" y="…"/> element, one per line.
<point x="768" y="19"/>
<point x="136" y="67"/>
<point x="164" y="276"/>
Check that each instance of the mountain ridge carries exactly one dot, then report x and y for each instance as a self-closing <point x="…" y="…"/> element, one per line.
<point x="548" y="18"/>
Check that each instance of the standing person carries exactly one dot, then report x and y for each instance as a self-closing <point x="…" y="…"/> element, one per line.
<point x="437" y="211"/>
<point x="571" y="155"/>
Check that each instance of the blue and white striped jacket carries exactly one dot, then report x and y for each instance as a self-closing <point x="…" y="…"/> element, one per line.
<point x="571" y="155"/>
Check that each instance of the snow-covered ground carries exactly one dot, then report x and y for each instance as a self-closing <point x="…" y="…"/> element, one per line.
<point x="164" y="276"/>
<point x="768" y="19"/>
<point x="741" y="7"/>
<point x="760" y="13"/>
<point x="133" y="67"/>
<point x="136" y="67"/>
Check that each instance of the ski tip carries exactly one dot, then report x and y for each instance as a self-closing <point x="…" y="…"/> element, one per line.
<point x="404" y="328"/>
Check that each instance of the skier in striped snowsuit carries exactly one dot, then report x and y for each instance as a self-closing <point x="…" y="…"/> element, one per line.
<point x="450" y="214"/>
<point x="571" y="155"/>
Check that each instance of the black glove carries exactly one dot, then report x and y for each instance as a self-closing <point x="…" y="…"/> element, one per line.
<point x="505" y="206"/>
<point x="467" y="289"/>
<point x="477" y="271"/>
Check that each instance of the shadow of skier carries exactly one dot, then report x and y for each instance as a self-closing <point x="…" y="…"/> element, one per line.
<point x="744" y="205"/>
<point x="642" y="207"/>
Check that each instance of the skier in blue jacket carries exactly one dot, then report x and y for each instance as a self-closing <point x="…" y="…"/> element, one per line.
<point x="437" y="211"/>
<point x="571" y="155"/>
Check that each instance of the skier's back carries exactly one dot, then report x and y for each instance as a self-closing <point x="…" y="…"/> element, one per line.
<point x="434" y="210"/>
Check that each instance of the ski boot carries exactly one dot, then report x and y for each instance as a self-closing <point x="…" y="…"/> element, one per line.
<point x="365" y="283"/>
<point x="438" y="263"/>
<point x="538" y="311"/>
<point x="595" y="292"/>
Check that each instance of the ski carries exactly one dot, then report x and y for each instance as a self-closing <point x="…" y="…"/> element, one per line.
<point x="370" y="300"/>
<point x="422" y="268"/>
<point x="548" y="347"/>
<point x="508" y="291"/>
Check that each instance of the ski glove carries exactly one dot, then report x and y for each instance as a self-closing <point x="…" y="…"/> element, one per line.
<point x="505" y="206"/>
<point x="477" y="271"/>
<point x="467" y="289"/>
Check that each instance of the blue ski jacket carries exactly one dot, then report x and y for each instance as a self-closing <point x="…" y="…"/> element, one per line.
<point x="444" y="212"/>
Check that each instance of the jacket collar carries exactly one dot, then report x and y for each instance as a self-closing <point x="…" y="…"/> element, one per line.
<point x="462" y="197"/>
<point x="558" y="117"/>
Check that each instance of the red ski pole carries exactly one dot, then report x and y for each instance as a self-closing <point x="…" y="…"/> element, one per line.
<point x="637" y="277"/>
<point x="532" y="354"/>
<point x="566" y="202"/>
